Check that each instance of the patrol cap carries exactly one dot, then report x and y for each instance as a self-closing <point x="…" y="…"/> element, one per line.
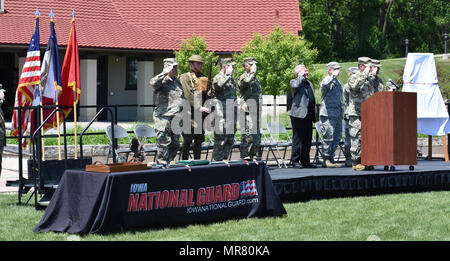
<point x="364" y="60"/>
<point x="195" y="58"/>
<point x="249" y="60"/>
<point x="333" y="65"/>
<point x="376" y="63"/>
<point x="353" y="70"/>
<point x="227" y="61"/>
<point x="170" y="61"/>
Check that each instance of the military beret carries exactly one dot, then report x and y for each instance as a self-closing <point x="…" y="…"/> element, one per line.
<point x="227" y="61"/>
<point x="195" y="58"/>
<point x="364" y="60"/>
<point x="249" y="60"/>
<point x="170" y="61"/>
<point x="333" y="65"/>
<point x="353" y="70"/>
<point x="376" y="63"/>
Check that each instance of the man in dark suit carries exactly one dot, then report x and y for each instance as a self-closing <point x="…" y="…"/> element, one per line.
<point x="302" y="118"/>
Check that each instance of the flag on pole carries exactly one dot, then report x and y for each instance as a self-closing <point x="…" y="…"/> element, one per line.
<point x="50" y="79"/>
<point x="70" y="73"/>
<point x="29" y="79"/>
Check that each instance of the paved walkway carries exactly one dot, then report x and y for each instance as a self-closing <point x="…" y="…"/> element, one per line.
<point x="8" y="174"/>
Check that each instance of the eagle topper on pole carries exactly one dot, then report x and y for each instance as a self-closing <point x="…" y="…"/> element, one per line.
<point x="51" y="77"/>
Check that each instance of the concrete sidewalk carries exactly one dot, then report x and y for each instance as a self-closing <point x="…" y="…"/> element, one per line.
<point x="13" y="175"/>
<point x="8" y="175"/>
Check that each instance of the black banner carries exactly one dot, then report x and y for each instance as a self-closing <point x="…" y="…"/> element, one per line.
<point x="87" y="202"/>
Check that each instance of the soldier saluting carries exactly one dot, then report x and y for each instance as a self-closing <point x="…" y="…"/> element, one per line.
<point x="195" y="92"/>
<point x="168" y="94"/>
<point x="250" y="90"/>
<point x="361" y="88"/>
<point x="331" y="114"/>
<point x="224" y="90"/>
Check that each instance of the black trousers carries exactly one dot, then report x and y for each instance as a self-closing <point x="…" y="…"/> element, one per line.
<point x="197" y="147"/>
<point x="301" y="140"/>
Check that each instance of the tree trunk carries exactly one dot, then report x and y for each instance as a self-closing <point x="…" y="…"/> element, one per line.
<point x="386" y="17"/>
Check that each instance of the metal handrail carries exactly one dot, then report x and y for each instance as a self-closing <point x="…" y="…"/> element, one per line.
<point x="112" y="133"/>
<point x="33" y="138"/>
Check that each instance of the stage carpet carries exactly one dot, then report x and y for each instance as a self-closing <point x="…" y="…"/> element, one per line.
<point x="306" y="184"/>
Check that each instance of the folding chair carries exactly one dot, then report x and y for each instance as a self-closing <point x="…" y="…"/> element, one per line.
<point x="119" y="132"/>
<point x="319" y="144"/>
<point x="142" y="132"/>
<point x="341" y="144"/>
<point x="265" y="143"/>
<point x="276" y="128"/>
<point x="210" y="144"/>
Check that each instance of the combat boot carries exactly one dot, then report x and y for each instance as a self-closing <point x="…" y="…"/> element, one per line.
<point x="336" y="165"/>
<point x="327" y="163"/>
<point x="357" y="165"/>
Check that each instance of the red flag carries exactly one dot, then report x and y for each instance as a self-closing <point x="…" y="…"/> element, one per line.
<point x="70" y="73"/>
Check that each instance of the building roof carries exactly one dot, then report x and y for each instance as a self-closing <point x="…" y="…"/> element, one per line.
<point x="147" y="24"/>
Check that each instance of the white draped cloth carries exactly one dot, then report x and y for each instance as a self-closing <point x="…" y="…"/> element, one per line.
<point x="420" y="76"/>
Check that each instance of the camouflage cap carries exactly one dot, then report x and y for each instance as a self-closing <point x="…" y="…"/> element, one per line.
<point x="353" y="70"/>
<point x="376" y="63"/>
<point x="227" y="61"/>
<point x="195" y="58"/>
<point x="333" y="65"/>
<point x="249" y="60"/>
<point x="364" y="60"/>
<point x="170" y="61"/>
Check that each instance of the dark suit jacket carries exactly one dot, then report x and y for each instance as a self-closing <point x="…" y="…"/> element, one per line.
<point x="303" y="102"/>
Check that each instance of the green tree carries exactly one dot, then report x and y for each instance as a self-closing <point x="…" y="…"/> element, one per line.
<point x="195" y="45"/>
<point x="346" y="29"/>
<point x="277" y="55"/>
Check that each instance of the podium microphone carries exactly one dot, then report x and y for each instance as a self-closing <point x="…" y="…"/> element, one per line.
<point x="393" y="83"/>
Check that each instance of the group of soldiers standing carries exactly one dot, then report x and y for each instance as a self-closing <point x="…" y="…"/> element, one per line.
<point x="192" y="87"/>
<point x="363" y="82"/>
<point x="187" y="96"/>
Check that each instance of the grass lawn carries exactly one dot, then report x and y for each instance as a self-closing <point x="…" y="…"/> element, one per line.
<point x="393" y="69"/>
<point x="398" y="217"/>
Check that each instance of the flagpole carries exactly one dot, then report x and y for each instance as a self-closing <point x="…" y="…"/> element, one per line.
<point x="75" y="103"/>
<point x="41" y="110"/>
<point x="56" y="98"/>
<point x="42" y="120"/>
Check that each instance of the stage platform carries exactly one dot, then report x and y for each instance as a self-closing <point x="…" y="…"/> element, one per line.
<point x="307" y="184"/>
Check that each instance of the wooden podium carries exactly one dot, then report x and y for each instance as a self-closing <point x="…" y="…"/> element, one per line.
<point x="389" y="129"/>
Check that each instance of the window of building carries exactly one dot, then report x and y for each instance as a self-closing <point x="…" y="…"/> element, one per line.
<point x="132" y="73"/>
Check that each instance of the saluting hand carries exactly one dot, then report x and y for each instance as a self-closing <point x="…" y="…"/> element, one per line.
<point x="168" y="69"/>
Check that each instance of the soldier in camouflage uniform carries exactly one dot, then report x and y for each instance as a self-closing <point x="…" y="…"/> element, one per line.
<point x="168" y="99"/>
<point x="196" y="96"/>
<point x="374" y="71"/>
<point x="250" y="91"/>
<point x="2" y="126"/>
<point x="361" y="89"/>
<point x="223" y="89"/>
<point x="348" y="157"/>
<point x="330" y="114"/>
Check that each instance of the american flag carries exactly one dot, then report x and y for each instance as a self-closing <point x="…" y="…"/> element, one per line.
<point x="248" y="188"/>
<point x="29" y="79"/>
